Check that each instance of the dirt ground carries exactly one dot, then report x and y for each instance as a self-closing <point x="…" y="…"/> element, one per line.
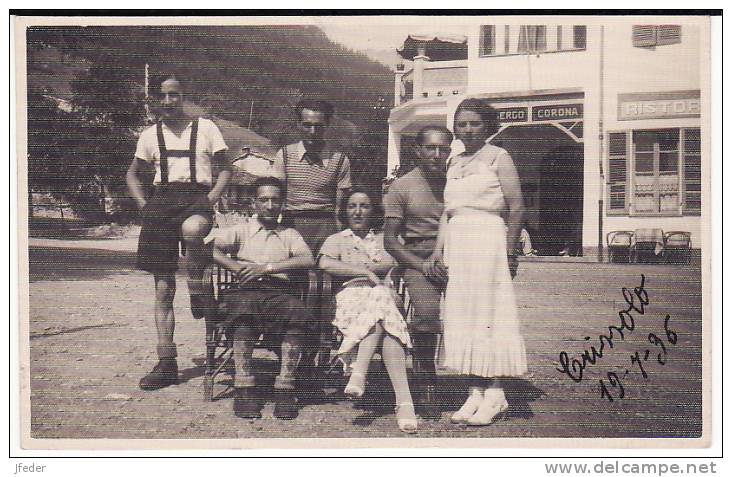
<point x="92" y="337"/>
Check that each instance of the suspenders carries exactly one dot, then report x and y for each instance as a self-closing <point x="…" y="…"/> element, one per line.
<point x="165" y="153"/>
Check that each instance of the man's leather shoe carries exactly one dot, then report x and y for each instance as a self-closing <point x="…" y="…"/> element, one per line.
<point x="286" y="405"/>
<point x="246" y="404"/>
<point x="165" y="373"/>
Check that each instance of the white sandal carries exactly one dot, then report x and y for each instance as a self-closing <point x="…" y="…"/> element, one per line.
<point x="406" y="424"/>
<point x="475" y="399"/>
<point x="353" y="391"/>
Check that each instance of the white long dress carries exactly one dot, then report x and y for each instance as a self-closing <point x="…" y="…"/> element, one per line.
<point x="481" y="327"/>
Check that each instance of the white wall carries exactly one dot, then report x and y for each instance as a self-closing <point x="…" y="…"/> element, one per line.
<point x="514" y="73"/>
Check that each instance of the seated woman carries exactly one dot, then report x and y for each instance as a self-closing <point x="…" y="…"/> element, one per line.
<point x="366" y="312"/>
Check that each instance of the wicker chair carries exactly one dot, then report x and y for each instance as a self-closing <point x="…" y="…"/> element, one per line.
<point x="219" y="342"/>
<point x="677" y="243"/>
<point x="619" y="242"/>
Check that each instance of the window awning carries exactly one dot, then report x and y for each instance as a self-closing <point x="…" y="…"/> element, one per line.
<point x="438" y="47"/>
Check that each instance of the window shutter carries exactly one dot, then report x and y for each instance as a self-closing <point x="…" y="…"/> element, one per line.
<point x="691" y="144"/>
<point x="487" y="40"/>
<point x="579" y="34"/>
<point x="559" y="37"/>
<point x="644" y="35"/>
<point x="668" y="34"/>
<point x="617" y="173"/>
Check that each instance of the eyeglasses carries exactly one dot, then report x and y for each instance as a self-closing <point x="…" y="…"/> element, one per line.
<point x="437" y="149"/>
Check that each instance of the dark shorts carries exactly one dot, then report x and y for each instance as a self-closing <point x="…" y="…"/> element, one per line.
<point x="269" y="310"/>
<point x="162" y="217"/>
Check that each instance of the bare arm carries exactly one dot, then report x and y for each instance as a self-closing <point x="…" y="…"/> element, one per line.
<point x="247" y="271"/>
<point x="432" y="268"/>
<point x="133" y="182"/>
<point x="511" y="187"/>
<point x="222" y="180"/>
<point x="339" y="199"/>
<point x="226" y="261"/>
<point x="297" y="262"/>
<point x="381" y="268"/>
<point x="344" y="270"/>
<point x="440" y="243"/>
<point x="395" y="248"/>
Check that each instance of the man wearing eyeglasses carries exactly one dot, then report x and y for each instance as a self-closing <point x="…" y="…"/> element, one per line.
<point x="413" y="207"/>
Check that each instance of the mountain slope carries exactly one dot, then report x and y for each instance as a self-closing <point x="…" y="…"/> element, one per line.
<point x="234" y="70"/>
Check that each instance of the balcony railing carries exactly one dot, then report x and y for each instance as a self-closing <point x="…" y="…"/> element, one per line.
<point x="443" y="78"/>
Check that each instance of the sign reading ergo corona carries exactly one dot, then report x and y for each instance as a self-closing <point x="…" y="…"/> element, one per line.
<point x="550" y="112"/>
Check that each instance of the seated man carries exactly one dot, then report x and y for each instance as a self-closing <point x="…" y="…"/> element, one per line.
<point x="264" y="253"/>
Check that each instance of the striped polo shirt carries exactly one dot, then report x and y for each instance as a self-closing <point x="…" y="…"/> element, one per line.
<point x="312" y="184"/>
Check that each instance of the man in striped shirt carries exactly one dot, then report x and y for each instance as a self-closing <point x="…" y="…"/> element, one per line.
<point x="315" y="175"/>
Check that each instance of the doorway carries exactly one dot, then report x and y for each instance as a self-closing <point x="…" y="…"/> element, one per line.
<point x="550" y="165"/>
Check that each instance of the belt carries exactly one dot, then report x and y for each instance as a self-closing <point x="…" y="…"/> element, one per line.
<point x="414" y="240"/>
<point x="266" y="282"/>
<point x="315" y="214"/>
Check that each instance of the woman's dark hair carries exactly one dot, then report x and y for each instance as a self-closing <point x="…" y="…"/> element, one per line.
<point x="487" y="113"/>
<point x="377" y="215"/>
<point x="314" y="105"/>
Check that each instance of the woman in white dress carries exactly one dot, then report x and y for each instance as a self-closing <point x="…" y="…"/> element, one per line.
<point x="366" y="311"/>
<point x="481" y="328"/>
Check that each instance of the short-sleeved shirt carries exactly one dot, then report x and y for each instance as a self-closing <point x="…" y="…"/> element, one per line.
<point x="347" y="247"/>
<point x="410" y="199"/>
<point x="312" y="182"/>
<point x="250" y="241"/>
<point x="208" y="143"/>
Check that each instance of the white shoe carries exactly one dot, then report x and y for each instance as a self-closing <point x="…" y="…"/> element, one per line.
<point x="471" y="405"/>
<point x="406" y="424"/>
<point x="493" y="408"/>
<point x="356" y="386"/>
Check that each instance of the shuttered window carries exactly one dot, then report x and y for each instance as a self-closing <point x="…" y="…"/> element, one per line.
<point x="559" y="37"/>
<point x="668" y="34"/>
<point x="691" y="145"/>
<point x="654" y="172"/>
<point x="487" y="40"/>
<point x="580" y="37"/>
<point x="617" y="173"/>
<point x="656" y="35"/>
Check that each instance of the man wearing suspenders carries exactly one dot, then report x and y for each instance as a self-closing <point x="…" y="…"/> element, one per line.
<point x="184" y="154"/>
<point x="315" y="176"/>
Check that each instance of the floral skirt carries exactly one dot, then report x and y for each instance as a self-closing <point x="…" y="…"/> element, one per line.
<point x="358" y="309"/>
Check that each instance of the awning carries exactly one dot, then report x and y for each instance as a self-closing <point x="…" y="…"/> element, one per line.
<point x="438" y="47"/>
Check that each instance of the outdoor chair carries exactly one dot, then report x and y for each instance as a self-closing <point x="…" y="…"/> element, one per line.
<point x="619" y="242"/>
<point x="647" y="242"/>
<point x="677" y="243"/>
<point x="219" y="340"/>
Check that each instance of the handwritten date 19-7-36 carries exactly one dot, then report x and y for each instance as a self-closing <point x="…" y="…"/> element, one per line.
<point x="575" y="367"/>
<point x="616" y="390"/>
